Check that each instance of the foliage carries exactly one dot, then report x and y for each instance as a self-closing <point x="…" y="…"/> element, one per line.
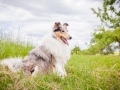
<point x="116" y="35"/>
<point x="110" y="14"/>
<point x="110" y="17"/>
<point x="101" y="41"/>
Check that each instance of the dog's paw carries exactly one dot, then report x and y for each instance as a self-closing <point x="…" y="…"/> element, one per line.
<point x="62" y="75"/>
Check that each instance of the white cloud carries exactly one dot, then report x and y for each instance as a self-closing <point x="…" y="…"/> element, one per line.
<point x="35" y="18"/>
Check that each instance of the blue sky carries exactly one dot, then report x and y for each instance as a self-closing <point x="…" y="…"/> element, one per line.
<point x="35" y="18"/>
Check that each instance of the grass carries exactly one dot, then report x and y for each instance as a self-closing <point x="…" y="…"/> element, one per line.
<point x="85" y="72"/>
<point x="12" y="49"/>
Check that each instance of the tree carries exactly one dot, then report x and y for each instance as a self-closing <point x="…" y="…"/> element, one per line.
<point x="110" y="18"/>
<point x="76" y="50"/>
<point x="101" y="41"/>
<point x="110" y="14"/>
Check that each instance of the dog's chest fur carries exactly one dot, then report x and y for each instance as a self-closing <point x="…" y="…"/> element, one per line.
<point x="57" y="48"/>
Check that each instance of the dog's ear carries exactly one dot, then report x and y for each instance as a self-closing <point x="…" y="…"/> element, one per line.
<point x="57" y="24"/>
<point x="65" y="25"/>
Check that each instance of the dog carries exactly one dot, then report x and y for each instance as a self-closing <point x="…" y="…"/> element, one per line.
<point x="50" y="57"/>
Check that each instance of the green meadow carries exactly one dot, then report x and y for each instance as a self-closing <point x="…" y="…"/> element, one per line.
<point x="84" y="72"/>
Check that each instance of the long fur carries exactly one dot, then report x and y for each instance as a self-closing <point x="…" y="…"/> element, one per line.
<point x="51" y="56"/>
<point x="13" y="64"/>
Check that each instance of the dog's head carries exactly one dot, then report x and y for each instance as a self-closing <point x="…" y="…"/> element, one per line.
<point x="61" y="32"/>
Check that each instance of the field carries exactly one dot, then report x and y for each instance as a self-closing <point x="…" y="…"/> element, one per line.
<point x="85" y="72"/>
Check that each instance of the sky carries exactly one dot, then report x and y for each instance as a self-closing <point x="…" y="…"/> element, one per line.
<point x="34" y="19"/>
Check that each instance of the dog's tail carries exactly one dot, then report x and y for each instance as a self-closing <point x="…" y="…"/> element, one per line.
<point x="14" y="64"/>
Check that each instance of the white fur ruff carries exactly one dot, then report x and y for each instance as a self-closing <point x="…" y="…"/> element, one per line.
<point x="56" y="47"/>
<point x="60" y="51"/>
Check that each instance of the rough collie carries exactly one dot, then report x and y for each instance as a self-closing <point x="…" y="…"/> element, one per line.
<point x="50" y="57"/>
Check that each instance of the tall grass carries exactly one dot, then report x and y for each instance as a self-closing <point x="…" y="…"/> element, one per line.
<point x="11" y="46"/>
<point x="12" y="49"/>
<point x="85" y="72"/>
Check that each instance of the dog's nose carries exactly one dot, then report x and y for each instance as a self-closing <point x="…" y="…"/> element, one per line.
<point x="70" y="37"/>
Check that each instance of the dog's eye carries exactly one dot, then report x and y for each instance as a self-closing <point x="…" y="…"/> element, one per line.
<point x="62" y="31"/>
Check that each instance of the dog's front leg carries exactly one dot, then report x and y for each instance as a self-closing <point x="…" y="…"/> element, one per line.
<point x="60" y="70"/>
<point x="64" y="71"/>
